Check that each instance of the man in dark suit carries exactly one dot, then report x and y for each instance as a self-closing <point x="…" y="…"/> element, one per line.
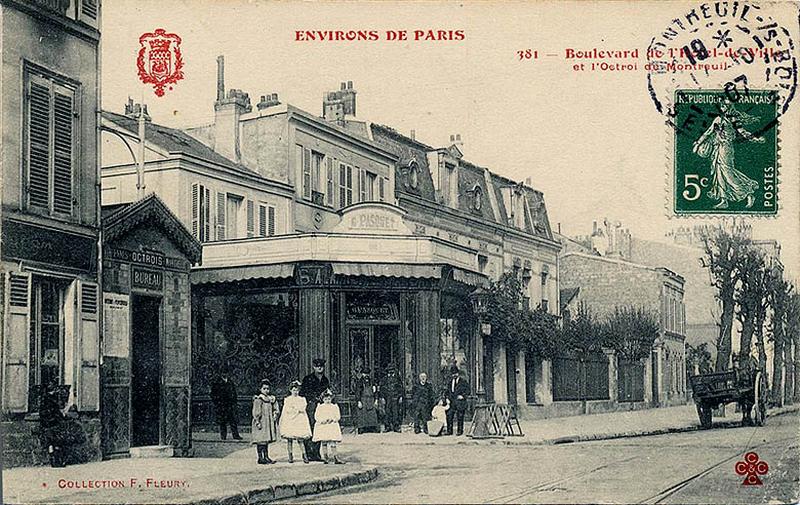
<point x="392" y="391"/>
<point x="223" y="396"/>
<point x="457" y="392"/>
<point x="311" y="389"/>
<point x="422" y="398"/>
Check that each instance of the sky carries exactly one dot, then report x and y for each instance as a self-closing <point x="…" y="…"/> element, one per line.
<point x="593" y="142"/>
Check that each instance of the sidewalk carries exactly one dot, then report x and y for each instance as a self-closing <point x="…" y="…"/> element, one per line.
<point x="582" y="428"/>
<point x="233" y="479"/>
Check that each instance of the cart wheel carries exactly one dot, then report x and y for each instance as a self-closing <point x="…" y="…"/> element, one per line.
<point x="760" y="400"/>
<point x="704" y="413"/>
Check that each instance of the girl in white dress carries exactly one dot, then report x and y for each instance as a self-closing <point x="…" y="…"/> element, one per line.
<point x="294" y="421"/>
<point x="326" y="427"/>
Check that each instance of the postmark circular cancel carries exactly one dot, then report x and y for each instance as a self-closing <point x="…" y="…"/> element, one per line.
<point x="733" y="46"/>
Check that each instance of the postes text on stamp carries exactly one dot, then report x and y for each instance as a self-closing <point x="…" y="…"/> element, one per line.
<point x="725" y="153"/>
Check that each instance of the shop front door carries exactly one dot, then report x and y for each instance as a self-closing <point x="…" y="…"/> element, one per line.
<point x="145" y="371"/>
<point x="375" y="347"/>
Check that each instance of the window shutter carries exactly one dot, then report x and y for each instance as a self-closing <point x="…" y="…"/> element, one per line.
<point x="382" y="189"/>
<point x="330" y="183"/>
<point x="349" y="185"/>
<point x="38" y="143"/>
<point x="362" y="185"/>
<point x="196" y="210"/>
<point x="306" y="173"/>
<point x="251" y="218"/>
<point x="271" y="226"/>
<point x="87" y="384"/>
<point x="205" y="208"/>
<point x="262" y="220"/>
<point x="220" y="216"/>
<point x="63" y="141"/>
<point x="89" y="12"/>
<point x="16" y="342"/>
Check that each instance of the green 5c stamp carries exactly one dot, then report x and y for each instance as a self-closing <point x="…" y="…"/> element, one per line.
<point x="725" y="152"/>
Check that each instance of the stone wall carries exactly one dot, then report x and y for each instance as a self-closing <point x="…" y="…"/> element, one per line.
<point x="22" y="445"/>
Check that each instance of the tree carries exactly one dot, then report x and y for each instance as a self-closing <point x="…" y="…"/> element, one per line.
<point x="698" y="359"/>
<point x="631" y="331"/>
<point x="722" y="248"/>
<point x="779" y="292"/>
<point x="583" y="333"/>
<point x="750" y="299"/>
<point x="793" y="336"/>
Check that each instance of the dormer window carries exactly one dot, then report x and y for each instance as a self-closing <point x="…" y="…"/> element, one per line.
<point x="477" y="198"/>
<point x="413" y="174"/>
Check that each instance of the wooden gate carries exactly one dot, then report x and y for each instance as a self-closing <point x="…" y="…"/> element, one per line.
<point x="580" y="377"/>
<point x="630" y="381"/>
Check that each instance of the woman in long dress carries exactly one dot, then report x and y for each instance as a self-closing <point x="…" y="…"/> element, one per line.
<point x="366" y="413"/>
<point x="727" y="183"/>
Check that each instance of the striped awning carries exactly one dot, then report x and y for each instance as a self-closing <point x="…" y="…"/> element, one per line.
<point x="388" y="270"/>
<point x="214" y="275"/>
<point x="470" y="278"/>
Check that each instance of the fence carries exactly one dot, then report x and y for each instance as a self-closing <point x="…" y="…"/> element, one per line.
<point x="630" y="380"/>
<point x="580" y="377"/>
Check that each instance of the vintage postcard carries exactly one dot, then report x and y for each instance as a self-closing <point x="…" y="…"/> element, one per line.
<point x="399" y="251"/>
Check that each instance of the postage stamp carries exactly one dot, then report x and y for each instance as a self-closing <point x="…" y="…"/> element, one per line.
<point x="725" y="158"/>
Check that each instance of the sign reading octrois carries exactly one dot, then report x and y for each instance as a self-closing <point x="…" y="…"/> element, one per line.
<point x="373" y="218"/>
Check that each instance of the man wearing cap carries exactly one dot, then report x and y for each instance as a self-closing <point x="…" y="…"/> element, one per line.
<point x="392" y="392"/>
<point x="312" y="387"/>
<point x="457" y="392"/>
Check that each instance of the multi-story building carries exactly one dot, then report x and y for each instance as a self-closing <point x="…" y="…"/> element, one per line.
<point x="50" y="218"/>
<point x="353" y="243"/>
<point x="608" y="283"/>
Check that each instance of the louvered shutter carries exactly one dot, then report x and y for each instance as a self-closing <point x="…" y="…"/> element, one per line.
<point x="271" y="221"/>
<point x="16" y="342"/>
<point x="195" y="210"/>
<point x="251" y="218"/>
<point x="63" y="142"/>
<point x="220" y="216"/>
<point x="89" y="12"/>
<point x="39" y="143"/>
<point x="206" y="213"/>
<point x="262" y="220"/>
<point x="87" y="387"/>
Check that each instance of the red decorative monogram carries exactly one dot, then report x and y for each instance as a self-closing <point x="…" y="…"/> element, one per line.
<point x="159" y="60"/>
<point x="751" y="467"/>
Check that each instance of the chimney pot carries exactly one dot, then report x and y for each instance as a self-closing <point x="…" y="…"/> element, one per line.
<point x="349" y="84"/>
<point x="452" y="138"/>
<point x="527" y="181"/>
<point x="344" y="86"/>
<point x="413" y="135"/>
<point x="275" y="97"/>
<point x="220" y="78"/>
<point x="263" y="98"/>
<point x="458" y="136"/>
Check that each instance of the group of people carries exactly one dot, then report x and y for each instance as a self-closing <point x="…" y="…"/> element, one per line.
<point x="309" y="405"/>
<point x="310" y="419"/>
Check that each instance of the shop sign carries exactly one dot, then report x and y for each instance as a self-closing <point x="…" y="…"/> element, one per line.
<point x="377" y="311"/>
<point x="147" y="279"/>
<point x="313" y="275"/>
<point x="22" y="241"/>
<point x="149" y="258"/>
<point x="116" y="325"/>
<point x="373" y="218"/>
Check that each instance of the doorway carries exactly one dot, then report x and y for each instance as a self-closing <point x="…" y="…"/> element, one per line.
<point x="375" y="347"/>
<point x="511" y="376"/>
<point x="145" y="371"/>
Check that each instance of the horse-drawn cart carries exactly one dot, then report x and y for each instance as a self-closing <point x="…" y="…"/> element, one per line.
<point x="746" y="387"/>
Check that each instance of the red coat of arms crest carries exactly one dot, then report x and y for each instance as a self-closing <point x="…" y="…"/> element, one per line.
<point x="159" y="60"/>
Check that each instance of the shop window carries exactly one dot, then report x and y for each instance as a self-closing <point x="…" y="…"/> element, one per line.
<point x="49" y="151"/>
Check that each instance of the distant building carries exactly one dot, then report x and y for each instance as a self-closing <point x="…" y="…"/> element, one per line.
<point x="608" y="283"/>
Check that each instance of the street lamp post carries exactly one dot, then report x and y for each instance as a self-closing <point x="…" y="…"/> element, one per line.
<point x="480" y="306"/>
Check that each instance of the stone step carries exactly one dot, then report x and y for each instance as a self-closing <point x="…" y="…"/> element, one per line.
<point x="152" y="451"/>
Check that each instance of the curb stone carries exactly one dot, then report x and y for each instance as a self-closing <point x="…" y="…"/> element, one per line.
<point x="627" y="434"/>
<point x="283" y="491"/>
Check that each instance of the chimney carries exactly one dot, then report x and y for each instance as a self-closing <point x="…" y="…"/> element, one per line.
<point x="413" y="135"/>
<point x="337" y="105"/>
<point x="227" y="111"/>
<point x="455" y="140"/>
<point x="268" y="101"/>
<point x="528" y="181"/>
<point x="132" y="110"/>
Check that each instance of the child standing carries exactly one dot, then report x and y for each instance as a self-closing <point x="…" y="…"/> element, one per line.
<point x="294" y="421"/>
<point x="326" y="427"/>
<point x="439" y="414"/>
<point x="264" y="429"/>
